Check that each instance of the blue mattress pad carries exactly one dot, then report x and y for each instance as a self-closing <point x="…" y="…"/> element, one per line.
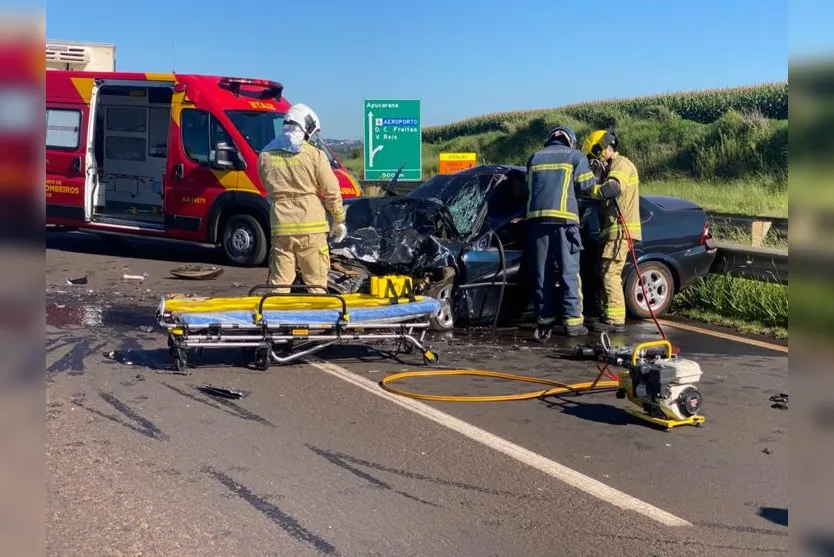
<point x="312" y="317"/>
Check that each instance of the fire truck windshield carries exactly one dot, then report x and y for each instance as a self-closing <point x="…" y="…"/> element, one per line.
<point x="259" y="128"/>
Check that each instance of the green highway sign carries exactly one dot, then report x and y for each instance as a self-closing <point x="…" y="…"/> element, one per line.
<point x="393" y="138"/>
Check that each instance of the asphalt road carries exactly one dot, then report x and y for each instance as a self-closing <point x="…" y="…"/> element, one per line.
<point x="318" y="460"/>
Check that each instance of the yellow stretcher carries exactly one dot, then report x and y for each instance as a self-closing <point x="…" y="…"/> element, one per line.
<point x="295" y="324"/>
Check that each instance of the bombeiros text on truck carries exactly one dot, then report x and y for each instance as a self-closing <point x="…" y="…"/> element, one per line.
<point x="163" y="155"/>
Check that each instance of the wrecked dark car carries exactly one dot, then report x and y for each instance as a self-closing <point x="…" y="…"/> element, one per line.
<point x="461" y="237"/>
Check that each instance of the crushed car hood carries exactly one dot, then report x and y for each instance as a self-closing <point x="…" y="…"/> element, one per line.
<point x="402" y="235"/>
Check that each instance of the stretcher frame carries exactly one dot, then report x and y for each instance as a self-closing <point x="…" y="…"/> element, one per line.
<point x="272" y="342"/>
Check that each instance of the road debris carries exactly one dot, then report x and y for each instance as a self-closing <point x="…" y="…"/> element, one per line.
<point x="780" y="401"/>
<point x="143" y="276"/>
<point x="220" y="391"/>
<point x="118" y="356"/>
<point x="197" y="272"/>
<point x="77" y="280"/>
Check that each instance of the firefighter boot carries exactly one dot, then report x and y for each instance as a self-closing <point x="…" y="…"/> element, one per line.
<point x="576" y="331"/>
<point x="605" y="326"/>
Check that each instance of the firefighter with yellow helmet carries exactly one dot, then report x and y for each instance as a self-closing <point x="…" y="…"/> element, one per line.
<point x="618" y="187"/>
<point x="296" y="175"/>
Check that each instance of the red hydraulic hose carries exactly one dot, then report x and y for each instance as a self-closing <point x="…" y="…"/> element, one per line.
<point x="637" y="269"/>
<point x="604" y="369"/>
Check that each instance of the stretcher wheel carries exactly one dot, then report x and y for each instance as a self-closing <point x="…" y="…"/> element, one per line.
<point x="430" y="358"/>
<point x="180" y="360"/>
<point x="262" y="359"/>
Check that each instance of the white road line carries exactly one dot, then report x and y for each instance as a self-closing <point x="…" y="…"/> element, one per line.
<point x="549" y="467"/>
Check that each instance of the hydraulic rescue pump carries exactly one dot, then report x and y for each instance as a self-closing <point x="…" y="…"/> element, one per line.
<point x="664" y="387"/>
<point x="660" y="383"/>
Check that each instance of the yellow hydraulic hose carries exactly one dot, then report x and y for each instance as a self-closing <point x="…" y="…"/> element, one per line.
<point x="556" y="387"/>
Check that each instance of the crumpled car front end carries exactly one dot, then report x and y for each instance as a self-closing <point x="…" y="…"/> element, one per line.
<point x="393" y="235"/>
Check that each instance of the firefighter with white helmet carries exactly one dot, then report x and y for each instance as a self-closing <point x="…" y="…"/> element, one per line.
<point x="296" y="176"/>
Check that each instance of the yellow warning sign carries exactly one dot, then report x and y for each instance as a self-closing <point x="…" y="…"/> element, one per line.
<point x="455" y="162"/>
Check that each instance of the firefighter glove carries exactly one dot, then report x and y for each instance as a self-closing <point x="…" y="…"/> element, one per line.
<point x="596" y="167"/>
<point x="338" y="232"/>
<point x="610" y="189"/>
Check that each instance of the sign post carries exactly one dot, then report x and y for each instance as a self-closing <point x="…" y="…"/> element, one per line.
<point x="455" y="162"/>
<point x="393" y="138"/>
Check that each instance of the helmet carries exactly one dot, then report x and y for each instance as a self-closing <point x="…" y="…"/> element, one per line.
<point x="599" y="140"/>
<point x="303" y="116"/>
<point x="563" y="134"/>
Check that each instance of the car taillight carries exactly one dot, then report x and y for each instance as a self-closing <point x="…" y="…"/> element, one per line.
<point x="705" y="233"/>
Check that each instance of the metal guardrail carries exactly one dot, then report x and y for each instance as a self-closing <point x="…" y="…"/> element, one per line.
<point x="764" y="264"/>
<point x="734" y="219"/>
<point x="757" y="226"/>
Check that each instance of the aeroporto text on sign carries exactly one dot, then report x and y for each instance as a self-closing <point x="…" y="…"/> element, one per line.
<point x="393" y="139"/>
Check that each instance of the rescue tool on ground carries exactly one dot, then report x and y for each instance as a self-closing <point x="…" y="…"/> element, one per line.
<point x="655" y="379"/>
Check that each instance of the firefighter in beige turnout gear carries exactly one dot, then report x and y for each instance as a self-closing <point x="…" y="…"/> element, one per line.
<point x="296" y="175"/>
<point x="619" y="185"/>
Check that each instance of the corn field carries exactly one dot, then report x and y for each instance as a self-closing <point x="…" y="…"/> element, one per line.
<point x="769" y="99"/>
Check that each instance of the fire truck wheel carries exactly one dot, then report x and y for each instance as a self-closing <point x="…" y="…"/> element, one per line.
<point x="244" y="240"/>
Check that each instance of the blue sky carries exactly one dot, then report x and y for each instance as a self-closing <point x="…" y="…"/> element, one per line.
<point x="460" y="57"/>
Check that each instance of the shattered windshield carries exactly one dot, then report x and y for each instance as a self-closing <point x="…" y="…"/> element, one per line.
<point x="462" y="194"/>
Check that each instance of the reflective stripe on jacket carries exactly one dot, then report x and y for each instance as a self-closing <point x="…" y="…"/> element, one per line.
<point x="556" y="176"/>
<point x="623" y="170"/>
<point x="294" y="183"/>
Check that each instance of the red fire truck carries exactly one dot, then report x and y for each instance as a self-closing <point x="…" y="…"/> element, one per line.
<point x="169" y="156"/>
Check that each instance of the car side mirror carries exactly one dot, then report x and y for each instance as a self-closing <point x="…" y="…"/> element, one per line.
<point x="224" y="156"/>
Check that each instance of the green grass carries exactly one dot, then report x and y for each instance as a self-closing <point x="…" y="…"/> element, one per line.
<point x="745" y="197"/>
<point x="770" y="99"/>
<point x="747" y="305"/>
<point x="739" y="325"/>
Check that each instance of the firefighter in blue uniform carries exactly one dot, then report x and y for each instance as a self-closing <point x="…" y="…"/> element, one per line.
<point x="556" y="177"/>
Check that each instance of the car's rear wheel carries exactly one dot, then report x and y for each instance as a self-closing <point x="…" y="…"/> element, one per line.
<point x="444" y="318"/>
<point x="660" y="288"/>
<point x="244" y="241"/>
